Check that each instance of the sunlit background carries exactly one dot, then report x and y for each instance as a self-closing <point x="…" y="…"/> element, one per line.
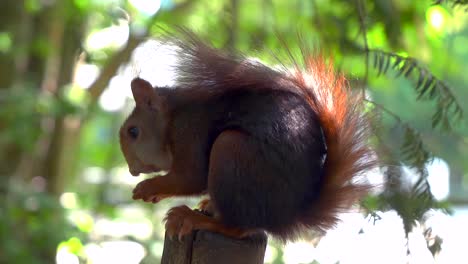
<point x="92" y="217"/>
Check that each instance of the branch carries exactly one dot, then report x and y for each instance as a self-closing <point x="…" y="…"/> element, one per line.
<point x="110" y="69"/>
<point x="363" y="31"/>
<point x="234" y="26"/>
<point x="122" y="56"/>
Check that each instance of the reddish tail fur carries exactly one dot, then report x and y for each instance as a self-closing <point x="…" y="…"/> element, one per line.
<point x="346" y="132"/>
<point x="340" y="112"/>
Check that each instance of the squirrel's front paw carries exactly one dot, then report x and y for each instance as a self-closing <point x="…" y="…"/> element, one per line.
<point x="145" y="190"/>
<point x="207" y="207"/>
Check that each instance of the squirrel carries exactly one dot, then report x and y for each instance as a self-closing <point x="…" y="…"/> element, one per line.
<point x="275" y="150"/>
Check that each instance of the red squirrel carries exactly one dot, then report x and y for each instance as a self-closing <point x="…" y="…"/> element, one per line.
<point x="275" y="150"/>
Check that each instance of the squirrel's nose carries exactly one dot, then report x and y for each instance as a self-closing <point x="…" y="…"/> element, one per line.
<point x="134" y="172"/>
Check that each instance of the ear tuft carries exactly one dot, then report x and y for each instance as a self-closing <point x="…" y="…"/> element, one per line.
<point x="138" y="82"/>
<point x="143" y="92"/>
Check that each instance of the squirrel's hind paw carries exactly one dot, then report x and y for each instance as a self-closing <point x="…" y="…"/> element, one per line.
<point x="180" y="221"/>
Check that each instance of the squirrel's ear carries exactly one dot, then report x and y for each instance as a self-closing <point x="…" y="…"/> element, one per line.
<point x="144" y="94"/>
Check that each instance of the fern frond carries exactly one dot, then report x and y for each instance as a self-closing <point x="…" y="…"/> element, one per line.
<point x="428" y="86"/>
<point x="414" y="152"/>
<point x="453" y="3"/>
<point x="412" y="203"/>
<point x="413" y="149"/>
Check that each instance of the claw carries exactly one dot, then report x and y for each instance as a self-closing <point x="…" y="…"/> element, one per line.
<point x="180" y="221"/>
<point x="207" y="207"/>
<point x="144" y="190"/>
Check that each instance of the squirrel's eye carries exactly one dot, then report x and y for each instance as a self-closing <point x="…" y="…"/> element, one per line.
<point x="133" y="132"/>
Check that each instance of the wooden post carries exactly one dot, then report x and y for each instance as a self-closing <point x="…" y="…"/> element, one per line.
<point x="204" y="247"/>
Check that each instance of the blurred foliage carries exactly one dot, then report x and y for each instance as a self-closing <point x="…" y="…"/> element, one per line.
<point x="31" y="219"/>
<point x="409" y="56"/>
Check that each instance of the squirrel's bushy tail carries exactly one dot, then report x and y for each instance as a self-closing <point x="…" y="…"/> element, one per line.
<point x="346" y="131"/>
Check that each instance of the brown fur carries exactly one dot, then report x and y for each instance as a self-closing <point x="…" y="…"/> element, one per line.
<point x="275" y="150"/>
